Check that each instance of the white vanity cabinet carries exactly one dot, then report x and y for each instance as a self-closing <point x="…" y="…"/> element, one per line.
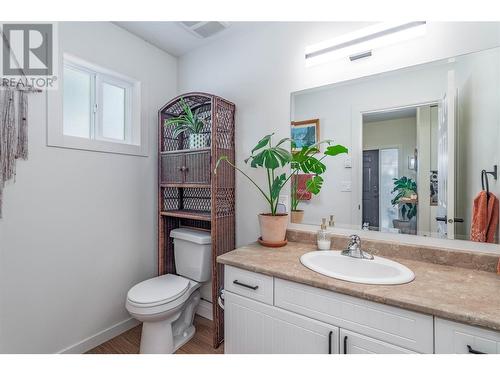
<point x="265" y="314"/>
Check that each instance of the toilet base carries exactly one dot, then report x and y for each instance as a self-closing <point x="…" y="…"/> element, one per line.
<point x="158" y="339"/>
<point x="182" y="339"/>
<point x="166" y="336"/>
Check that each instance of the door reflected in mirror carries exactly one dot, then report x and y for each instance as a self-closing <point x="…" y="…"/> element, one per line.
<point x="418" y="141"/>
<point x="394" y="178"/>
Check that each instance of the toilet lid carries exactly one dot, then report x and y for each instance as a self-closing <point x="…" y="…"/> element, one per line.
<point x="160" y="289"/>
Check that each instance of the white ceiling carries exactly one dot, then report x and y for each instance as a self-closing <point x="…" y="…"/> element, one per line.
<point x="173" y="38"/>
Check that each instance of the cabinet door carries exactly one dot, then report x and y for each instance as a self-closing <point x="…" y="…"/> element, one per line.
<point x="172" y="171"/>
<point x="197" y="166"/>
<point x="354" y="343"/>
<point x="255" y="328"/>
<point x="457" y="338"/>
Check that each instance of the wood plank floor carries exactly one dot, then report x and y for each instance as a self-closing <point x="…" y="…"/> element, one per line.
<point x="128" y="342"/>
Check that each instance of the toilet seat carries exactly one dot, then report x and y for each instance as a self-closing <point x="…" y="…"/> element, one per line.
<point x="158" y="291"/>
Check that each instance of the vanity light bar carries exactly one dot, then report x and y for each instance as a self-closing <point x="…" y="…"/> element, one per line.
<point x="360" y="43"/>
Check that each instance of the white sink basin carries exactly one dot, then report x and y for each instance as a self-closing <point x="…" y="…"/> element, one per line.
<point x="376" y="271"/>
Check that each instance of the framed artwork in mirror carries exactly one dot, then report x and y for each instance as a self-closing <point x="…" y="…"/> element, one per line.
<point x="304" y="133"/>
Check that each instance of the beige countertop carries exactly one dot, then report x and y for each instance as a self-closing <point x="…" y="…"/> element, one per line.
<point x="460" y="294"/>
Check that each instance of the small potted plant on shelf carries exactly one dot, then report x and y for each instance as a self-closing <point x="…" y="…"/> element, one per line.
<point x="272" y="159"/>
<point x="406" y="201"/>
<point x="189" y="122"/>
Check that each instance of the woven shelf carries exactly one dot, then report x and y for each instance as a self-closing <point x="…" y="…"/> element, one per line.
<point x="190" y="194"/>
<point x="188" y="214"/>
<point x="185" y="150"/>
<point x="199" y="186"/>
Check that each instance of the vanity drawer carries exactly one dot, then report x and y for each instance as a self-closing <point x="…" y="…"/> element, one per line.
<point x="457" y="338"/>
<point x="407" y="329"/>
<point x="249" y="284"/>
<point x="354" y="343"/>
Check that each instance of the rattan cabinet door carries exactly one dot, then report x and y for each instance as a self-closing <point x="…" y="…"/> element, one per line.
<point x="197" y="166"/>
<point x="172" y="169"/>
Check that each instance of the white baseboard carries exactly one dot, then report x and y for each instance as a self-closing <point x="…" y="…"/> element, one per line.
<point x="205" y="309"/>
<point x="100" y="337"/>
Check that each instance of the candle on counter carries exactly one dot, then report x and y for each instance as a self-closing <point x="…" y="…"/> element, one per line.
<point x="324" y="244"/>
<point x="323" y="237"/>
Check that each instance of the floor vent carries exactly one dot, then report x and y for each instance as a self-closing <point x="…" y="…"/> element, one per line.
<point x="204" y="29"/>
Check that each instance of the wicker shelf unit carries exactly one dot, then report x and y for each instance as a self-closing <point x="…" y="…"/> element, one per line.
<point x="190" y="194"/>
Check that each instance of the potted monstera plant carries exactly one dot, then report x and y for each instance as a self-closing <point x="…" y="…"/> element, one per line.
<point x="189" y="122"/>
<point x="406" y="201"/>
<point x="309" y="161"/>
<point x="274" y="159"/>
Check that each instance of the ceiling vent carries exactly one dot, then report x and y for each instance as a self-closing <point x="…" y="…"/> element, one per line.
<point x="204" y="29"/>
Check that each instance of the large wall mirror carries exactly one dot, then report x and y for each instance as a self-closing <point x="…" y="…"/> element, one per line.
<point x="420" y="140"/>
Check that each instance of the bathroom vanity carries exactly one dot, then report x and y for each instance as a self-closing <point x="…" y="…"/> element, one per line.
<point x="273" y="304"/>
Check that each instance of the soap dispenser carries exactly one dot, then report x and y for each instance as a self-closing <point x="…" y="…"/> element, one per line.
<point x="323" y="237"/>
<point x="331" y="222"/>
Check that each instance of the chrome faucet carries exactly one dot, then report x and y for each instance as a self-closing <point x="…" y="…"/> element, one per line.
<point x="354" y="249"/>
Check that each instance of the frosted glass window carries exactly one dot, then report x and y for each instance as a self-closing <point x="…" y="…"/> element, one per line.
<point x="101" y="110"/>
<point x="77" y="99"/>
<point x="389" y="167"/>
<point x="113" y="112"/>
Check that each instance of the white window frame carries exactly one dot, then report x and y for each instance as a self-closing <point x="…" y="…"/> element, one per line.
<point x="136" y="134"/>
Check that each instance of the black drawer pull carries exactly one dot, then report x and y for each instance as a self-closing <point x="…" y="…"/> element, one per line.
<point x="330" y="342"/>
<point x="245" y="285"/>
<point x="472" y="351"/>
<point x="345" y="344"/>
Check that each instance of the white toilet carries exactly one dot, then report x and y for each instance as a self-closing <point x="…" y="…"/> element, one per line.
<point x="166" y="304"/>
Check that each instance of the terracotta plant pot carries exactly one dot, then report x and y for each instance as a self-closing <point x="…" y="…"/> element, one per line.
<point x="297" y="216"/>
<point x="273" y="228"/>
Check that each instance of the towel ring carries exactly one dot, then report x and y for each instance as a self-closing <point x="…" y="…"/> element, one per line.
<point x="484" y="178"/>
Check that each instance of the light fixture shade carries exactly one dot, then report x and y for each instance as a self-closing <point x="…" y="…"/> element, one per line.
<point x="364" y="41"/>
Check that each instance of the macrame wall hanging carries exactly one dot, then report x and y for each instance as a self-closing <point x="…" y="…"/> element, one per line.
<point x="13" y="132"/>
<point x="13" y="123"/>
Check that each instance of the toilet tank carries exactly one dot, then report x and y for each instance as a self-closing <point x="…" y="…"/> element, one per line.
<point x="193" y="253"/>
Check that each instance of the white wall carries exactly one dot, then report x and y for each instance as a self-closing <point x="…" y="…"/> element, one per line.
<point x="478" y="80"/>
<point x="78" y="227"/>
<point x="398" y="133"/>
<point x="258" y="70"/>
